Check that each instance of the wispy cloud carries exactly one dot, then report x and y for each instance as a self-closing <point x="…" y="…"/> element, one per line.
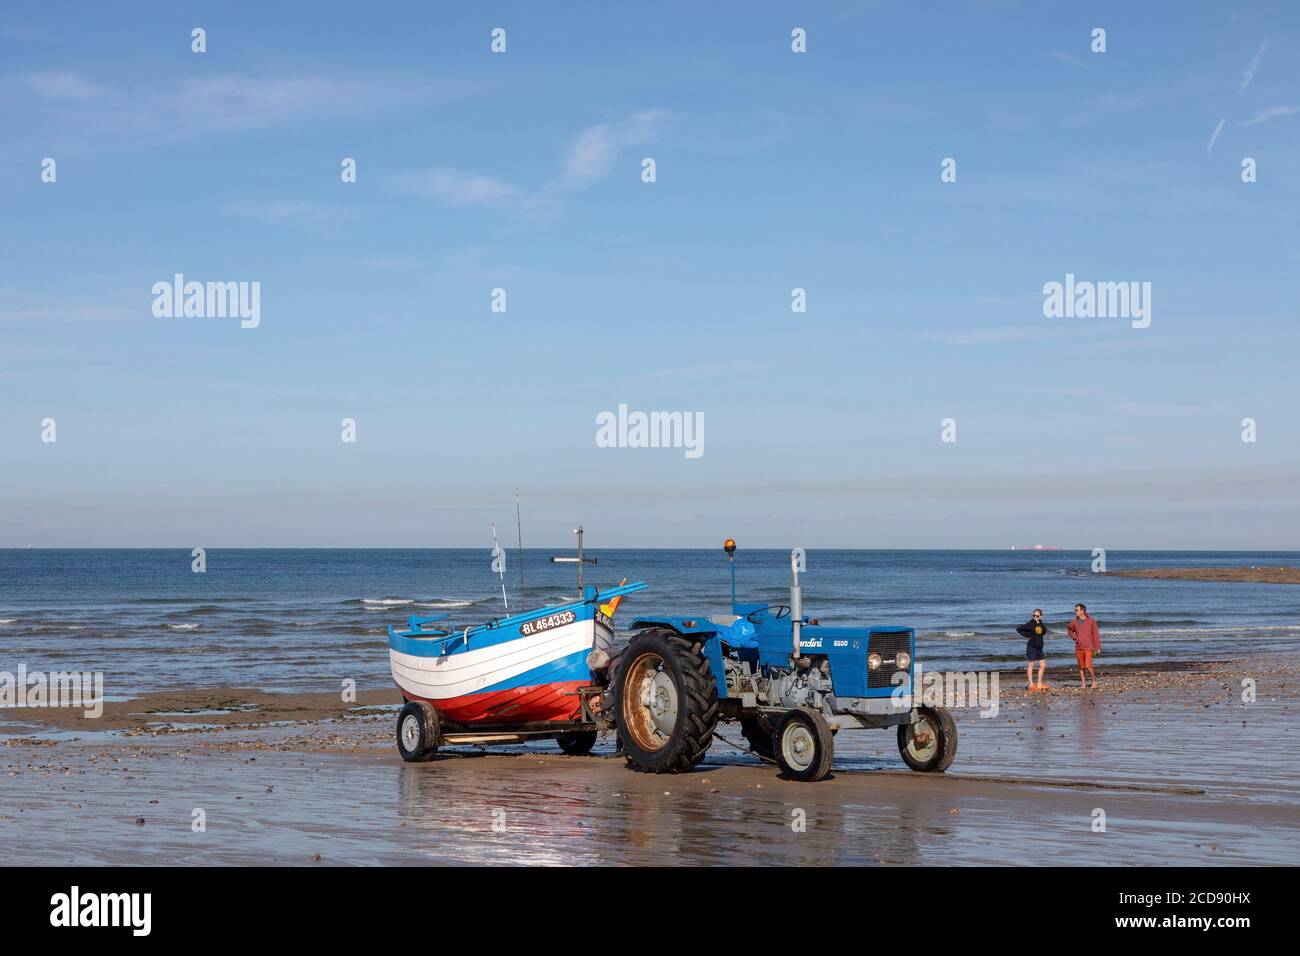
<point x="46" y="309"/>
<point x="1063" y="57"/>
<point x="1160" y="409"/>
<point x="1270" y="114"/>
<point x="595" y="149"/>
<point x="1015" y="333"/>
<point x="59" y="85"/>
<point x="295" y="213"/>
<point x="1214" y="138"/>
<point x="237" y="102"/>
<point x="717" y="370"/>
<point x="590" y="158"/>
<point x="80" y="113"/>
<point x="1111" y="104"/>
<point x="455" y="187"/>
<point x="1252" y="67"/>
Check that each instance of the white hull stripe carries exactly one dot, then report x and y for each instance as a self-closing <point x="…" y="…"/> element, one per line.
<point x="439" y="678"/>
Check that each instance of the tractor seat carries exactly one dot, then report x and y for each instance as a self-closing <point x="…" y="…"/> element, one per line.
<point x="724" y="620"/>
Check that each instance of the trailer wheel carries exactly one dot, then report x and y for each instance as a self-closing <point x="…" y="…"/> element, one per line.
<point x="665" y="702"/>
<point x="930" y="744"/>
<point x="417" y="732"/>
<point x="804" y="748"/>
<point x="758" y="732"/>
<point x="578" y="743"/>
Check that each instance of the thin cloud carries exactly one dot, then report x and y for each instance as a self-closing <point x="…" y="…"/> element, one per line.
<point x="295" y="213"/>
<point x="80" y="115"/>
<point x="593" y="153"/>
<point x="1215" y="137"/>
<point x="1063" y="57"/>
<point x="455" y="187"/>
<point x="590" y="158"/>
<point x="996" y="335"/>
<point x="1160" y="409"/>
<point x="1270" y="114"/>
<point x="1251" y="68"/>
<point x="46" y="309"/>
<point x="239" y="102"/>
<point x="59" y="85"/>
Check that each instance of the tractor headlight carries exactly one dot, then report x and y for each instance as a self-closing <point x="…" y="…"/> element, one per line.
<point x="903" y="660"/>
<point x="874" y="661"/>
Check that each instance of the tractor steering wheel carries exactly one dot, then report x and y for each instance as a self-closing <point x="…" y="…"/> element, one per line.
<point x="776" y="611"/>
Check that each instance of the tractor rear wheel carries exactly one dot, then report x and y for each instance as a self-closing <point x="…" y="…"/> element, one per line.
<point x="578" y="743"/>
<point x="665" y="702"/>
<point x="930" y="744"/>
<point x="417" y="732"/>
<point x="758" y="732"/>
<point x="804" y="748"/>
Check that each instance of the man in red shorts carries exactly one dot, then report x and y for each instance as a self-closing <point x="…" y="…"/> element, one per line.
<point x="1087" y="641"/>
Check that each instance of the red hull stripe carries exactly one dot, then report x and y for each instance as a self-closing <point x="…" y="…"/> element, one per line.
<point x="517" y="705"/>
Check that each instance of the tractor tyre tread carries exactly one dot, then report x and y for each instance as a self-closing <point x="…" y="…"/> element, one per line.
<point x="700" y="699"/>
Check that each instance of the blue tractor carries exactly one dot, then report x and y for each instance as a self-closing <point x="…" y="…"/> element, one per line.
<point x="790" y="683"/>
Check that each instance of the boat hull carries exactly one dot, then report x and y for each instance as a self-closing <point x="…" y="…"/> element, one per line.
<point x="518" y="675"/>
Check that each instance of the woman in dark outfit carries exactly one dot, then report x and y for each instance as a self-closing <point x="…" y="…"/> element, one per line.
<point x="1033" y="631"/>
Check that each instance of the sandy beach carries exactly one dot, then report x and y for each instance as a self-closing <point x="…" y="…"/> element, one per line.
<point x="1184" y="771"/>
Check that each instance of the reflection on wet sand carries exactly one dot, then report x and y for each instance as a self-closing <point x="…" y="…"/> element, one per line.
<point x="1188" y="774"/>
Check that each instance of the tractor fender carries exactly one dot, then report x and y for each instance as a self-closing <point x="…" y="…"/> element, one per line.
<point x="700" y="629"/>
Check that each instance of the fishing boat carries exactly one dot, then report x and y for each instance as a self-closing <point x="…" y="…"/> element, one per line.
<point x="534" y="674"/>
<point x="527" y="668"/>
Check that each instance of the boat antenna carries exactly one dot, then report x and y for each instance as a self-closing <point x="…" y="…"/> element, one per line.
<point x="499" y="566"/>
<point x="519" y="530"/>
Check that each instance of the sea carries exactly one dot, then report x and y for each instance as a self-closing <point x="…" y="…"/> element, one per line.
<point x="305" y="620"/>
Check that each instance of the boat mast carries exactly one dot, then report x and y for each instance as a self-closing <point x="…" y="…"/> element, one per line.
<point x="579" y="560"/>
<point x="519" y="530"/>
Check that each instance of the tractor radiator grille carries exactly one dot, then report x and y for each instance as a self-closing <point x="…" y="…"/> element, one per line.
<point x="887" y="645"/>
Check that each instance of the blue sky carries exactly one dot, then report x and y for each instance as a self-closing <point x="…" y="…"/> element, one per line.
<point x="775" y="170"/>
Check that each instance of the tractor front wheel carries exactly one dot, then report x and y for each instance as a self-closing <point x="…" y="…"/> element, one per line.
<point x="930" y="744"/>
<point x="665" y="702"/>
<point x="803" y="744"/>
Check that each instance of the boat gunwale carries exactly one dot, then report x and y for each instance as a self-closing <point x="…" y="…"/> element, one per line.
<point x="522" y="618"/>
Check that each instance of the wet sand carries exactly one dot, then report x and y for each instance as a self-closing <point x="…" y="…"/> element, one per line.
<point x="1184" y="770"/>
<point x="1256" y="575"/>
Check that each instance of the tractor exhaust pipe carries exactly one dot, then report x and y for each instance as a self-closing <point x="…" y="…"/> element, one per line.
<point x="797" y="563"/>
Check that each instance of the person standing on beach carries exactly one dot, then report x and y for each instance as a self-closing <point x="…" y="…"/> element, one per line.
<point x="1087" y="641"/>
<point x="1033" y="631"/>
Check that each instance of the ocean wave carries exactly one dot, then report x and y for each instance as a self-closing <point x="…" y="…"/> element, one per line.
<point x="1143" y="622"/>
<point x="8" y="620"/>
<point x="200" y="609"/>
<point x="1001" y="627"/>
<point x="380" y="604"/>
<point x="157" y="600"/>
<point x="182" y="627"/>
